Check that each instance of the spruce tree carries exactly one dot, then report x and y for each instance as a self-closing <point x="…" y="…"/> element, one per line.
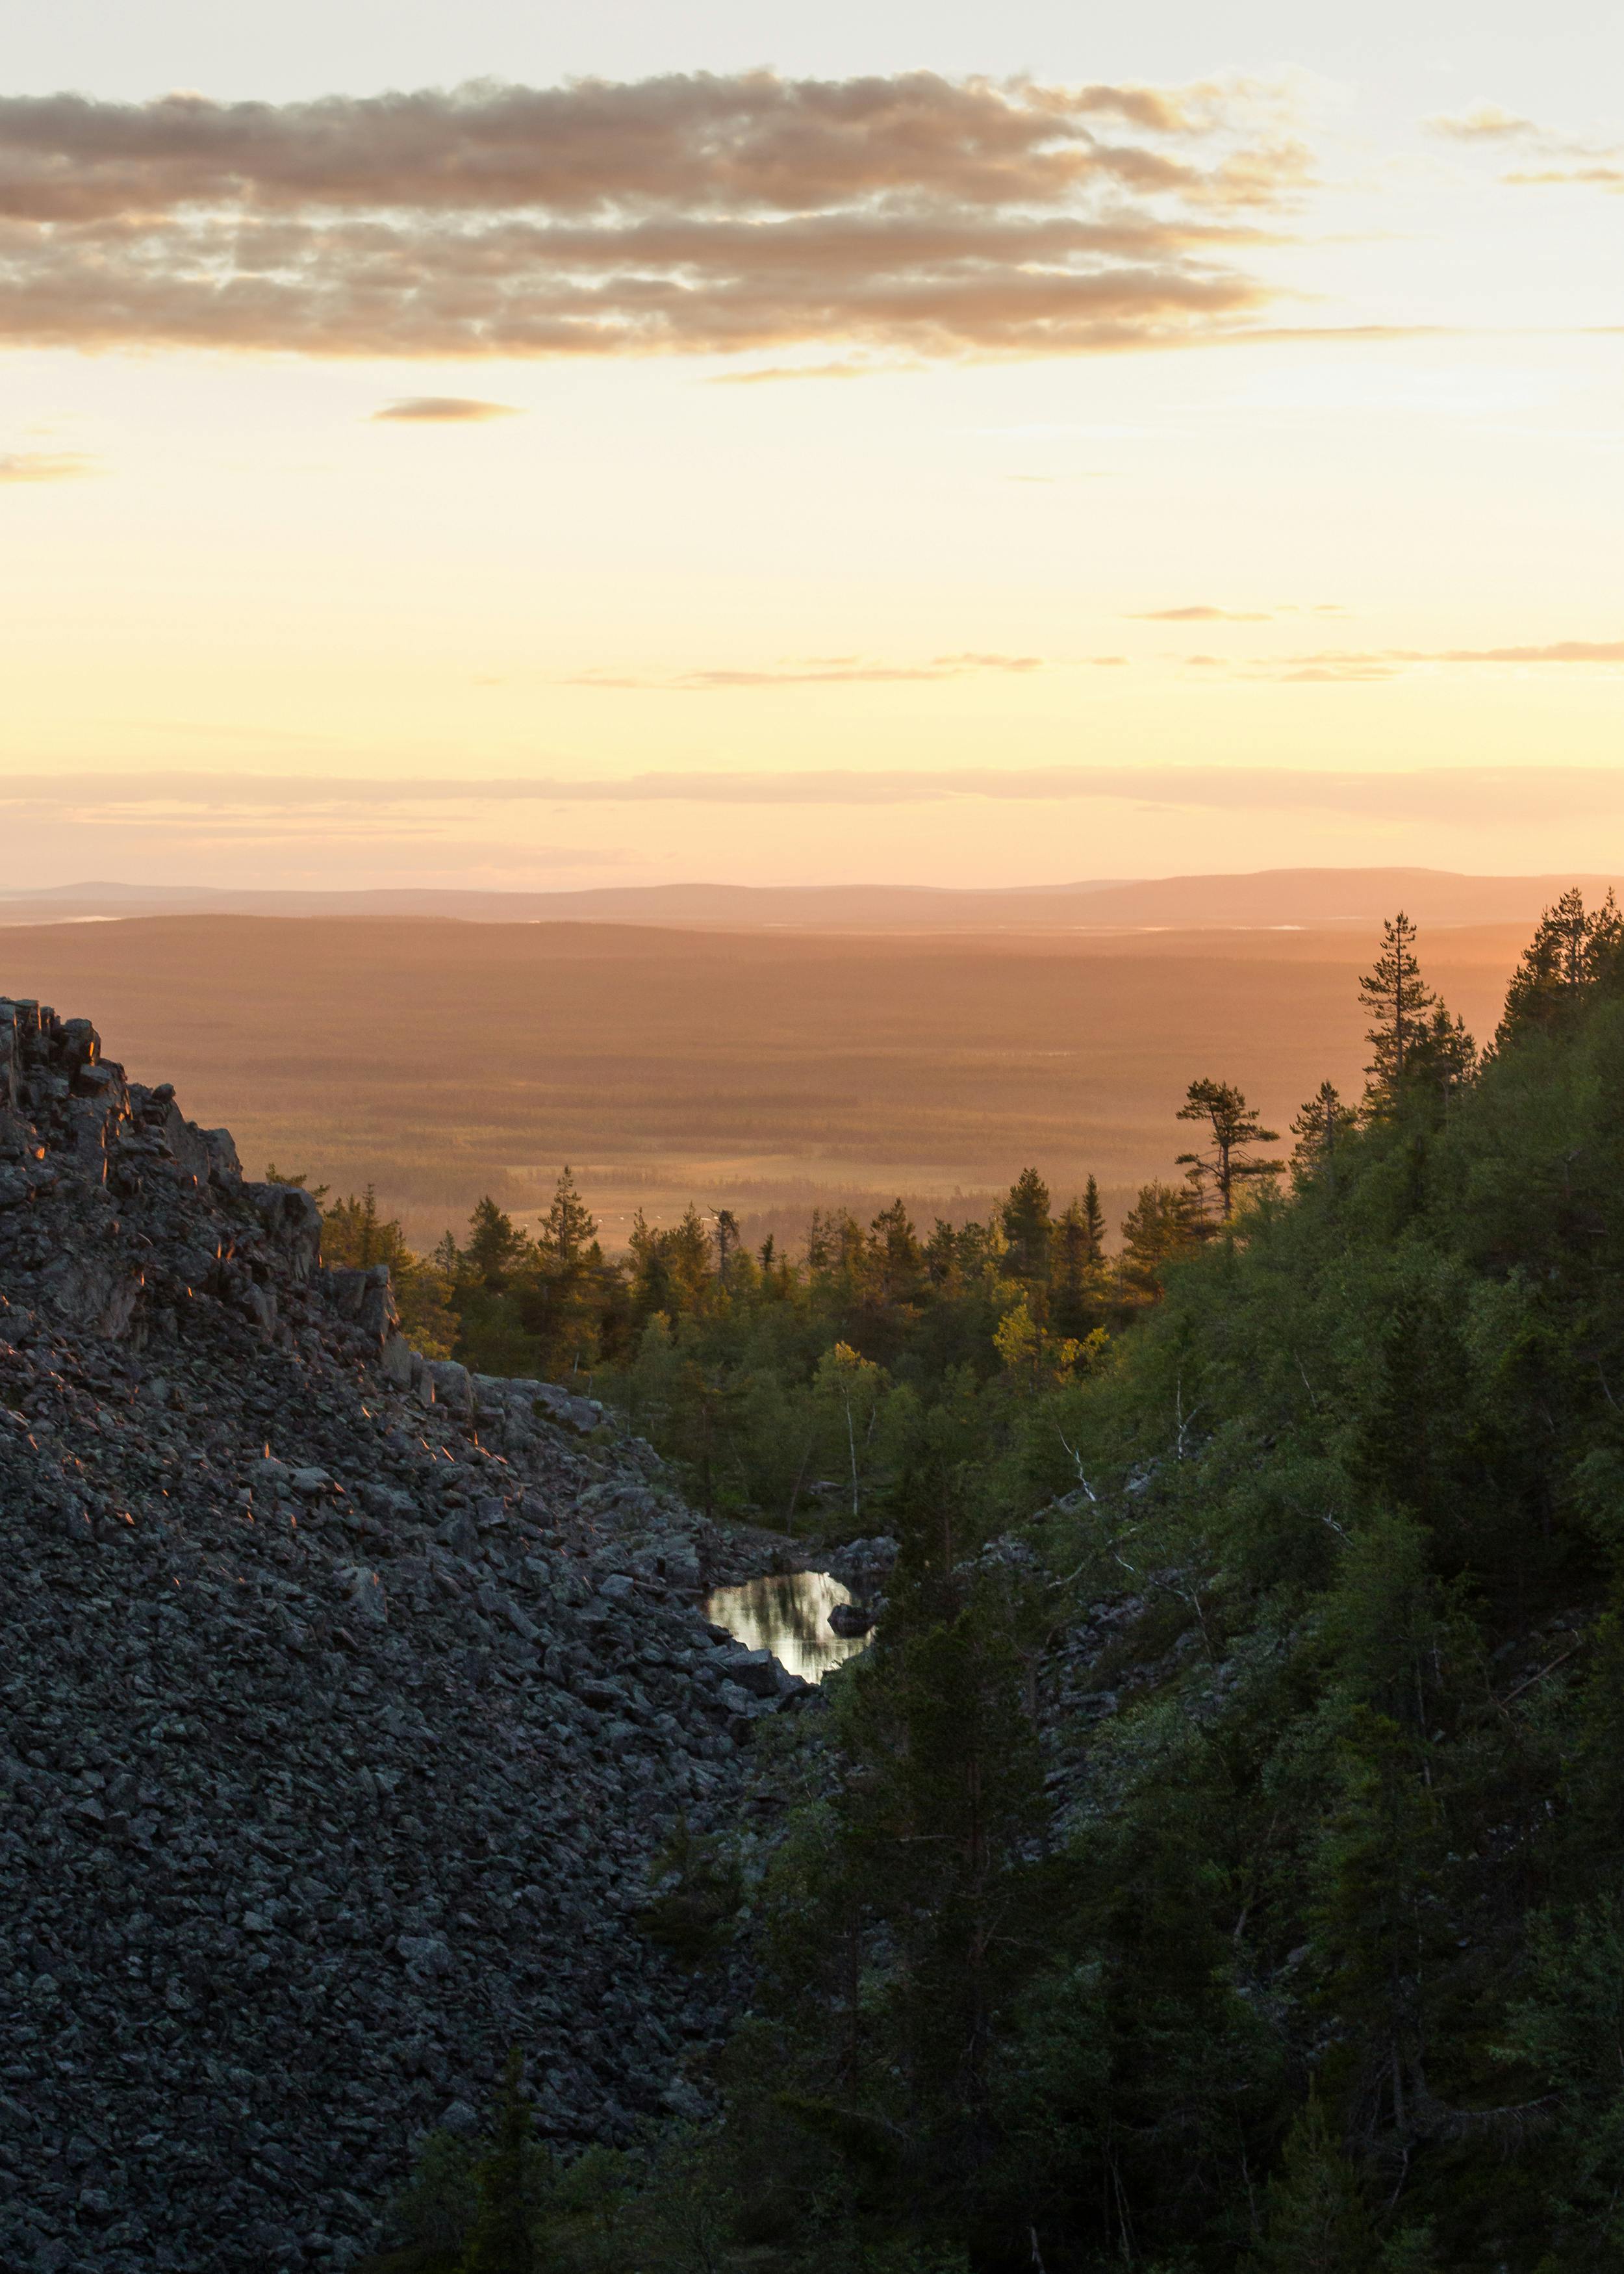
<point x="818" y="1242"/>
<point x="1573" y="950"/>
<point x="1316" y="2219"/>
<point x="1094" y="1218"/>
<point x="1321" y="1124"/>
<point x="941" y="1257"/>
<point x="1027" y="1227"/>
<point x="1445" y="1055"/>
<point x="496" y="1248"/>
<point x="568" y="1227"/>
<point x="728" y="1241"/>
<point x="1165" y="1225"/>
<point x="935" y="1823"/>
<point x="507" y="2185"/>
<point x="1399" y="1005"/>
<point x="1076" y="1273"/>
<point x="897" y="1262"/>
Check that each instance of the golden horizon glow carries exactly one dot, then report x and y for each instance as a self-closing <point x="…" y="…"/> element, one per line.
<point x="1350" y="511"/>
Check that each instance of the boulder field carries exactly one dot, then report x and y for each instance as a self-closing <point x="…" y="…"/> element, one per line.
<point x="345" y="1699"/>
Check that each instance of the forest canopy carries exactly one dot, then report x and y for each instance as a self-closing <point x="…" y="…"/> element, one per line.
<point x="1215" y="1863"/>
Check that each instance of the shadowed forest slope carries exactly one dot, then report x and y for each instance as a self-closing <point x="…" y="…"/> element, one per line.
<point x="1213" y="1865"/>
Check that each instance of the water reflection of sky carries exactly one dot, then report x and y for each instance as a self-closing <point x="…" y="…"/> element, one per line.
<point x="788" y="1612"/>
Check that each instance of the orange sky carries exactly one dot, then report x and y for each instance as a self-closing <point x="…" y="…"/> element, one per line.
<point x="1123" y="401"/>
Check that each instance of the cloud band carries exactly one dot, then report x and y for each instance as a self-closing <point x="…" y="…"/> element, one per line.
<point x="1475" y="796"/>
<point x="701" y="213"/>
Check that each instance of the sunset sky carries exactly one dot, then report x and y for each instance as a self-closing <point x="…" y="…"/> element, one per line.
<point x="518" y="445"/>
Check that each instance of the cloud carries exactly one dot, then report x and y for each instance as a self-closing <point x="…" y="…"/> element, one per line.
<point x="850" y="367"/>
<point x="1552" y="651"/>
<point x="1570" y="158"/>
<point x="1202" y="615"/>
<point x="46" y="466"/>
<point x="908" y="214"/>
<point x="1466" y="796"/>
<point x="446" y="410"/>
<point x="1594" y="176"/>
<point x="810" y="670"/>
<point x="1484" y="122"/>
<point x="1388" y="663"/>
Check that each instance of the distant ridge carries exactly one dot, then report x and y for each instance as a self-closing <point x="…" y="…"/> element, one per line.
<point x="1264" y="898"/>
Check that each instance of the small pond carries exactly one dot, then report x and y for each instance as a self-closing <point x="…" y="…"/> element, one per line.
<point x="788" y="1612"/>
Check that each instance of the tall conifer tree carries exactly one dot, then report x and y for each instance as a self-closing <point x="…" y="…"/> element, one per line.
<point x="1321" y="1126"/>
<point x="1026" y="1226"/>
<point x="1230" y="1166"/>
<point x="1399" y="1003"/>
<point x="1573" y="950"/>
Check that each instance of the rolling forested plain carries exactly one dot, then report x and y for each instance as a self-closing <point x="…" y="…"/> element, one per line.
<point x="765" y="1073"/>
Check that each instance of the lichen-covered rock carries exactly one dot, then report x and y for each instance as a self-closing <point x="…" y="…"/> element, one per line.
<point x="330" y="1762"/>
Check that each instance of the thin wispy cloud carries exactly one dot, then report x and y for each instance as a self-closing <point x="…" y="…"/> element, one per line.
<point x="444" y="410"/>
<point x="705" y="213"/>
<point x="1602" y="173"/>
<point x="46" y="466"/>
<point x="809" y="671"/>
<point x="851" y="367"/>
<point x="1474" y="796"/>
<point x="1201" y="614"/>
<point x="1333" y="664"/>
<point x="1550" y="155"/>
<point x="1484" y="122"/>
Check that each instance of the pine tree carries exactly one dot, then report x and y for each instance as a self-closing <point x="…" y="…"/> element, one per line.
<point x="1573" y="950"/>
<point x="508" y="2183"/>
<point x="1321" y="1125"/>
<point x="275" y="1176"/>
<point x="896" y="1260"/>
<point x="434" y="2212"/>
<point x="1235" y="1127"/>
<point x="571" y="1289"/>
<point x="940" y="1253"/>
<point x="728" y="1241"/>
<point x="1400" y="1005"/>
<point x="1026" y="1226"/>
<point x="356" y="1234"/>
<point x="1445" y="1054"/>
<point x="1077" y="1281"/>
<point x="1165" y="1225"/>
<point x="568" y="1227"/>
<point x="496" y="1248"/>
<point x="671" y="1268"/>
<point x="818" y="1246"/>
<point x="1317" y="2220"/>
<point x="949" y="1791"/>
<point x="1094" y="1218"/>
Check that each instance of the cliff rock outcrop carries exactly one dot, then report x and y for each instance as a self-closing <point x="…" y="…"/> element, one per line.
<point x="343" y="1700"/>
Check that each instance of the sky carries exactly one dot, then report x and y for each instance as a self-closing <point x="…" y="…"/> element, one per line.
<point x="522" y="446"/>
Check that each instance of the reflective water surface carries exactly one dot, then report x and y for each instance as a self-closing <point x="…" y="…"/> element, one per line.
<point x="787" y="1613"/>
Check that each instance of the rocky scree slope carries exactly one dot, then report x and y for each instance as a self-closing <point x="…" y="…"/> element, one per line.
<point x="343" y="1701"/>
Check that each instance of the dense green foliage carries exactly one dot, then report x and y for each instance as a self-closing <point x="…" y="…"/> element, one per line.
<point x="802" y="1390"/>
<point x="1223" y="1869"/>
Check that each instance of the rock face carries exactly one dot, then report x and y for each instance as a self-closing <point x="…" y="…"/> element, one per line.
<point x="344" y="1699"/>
<point x="864" y="1566"/>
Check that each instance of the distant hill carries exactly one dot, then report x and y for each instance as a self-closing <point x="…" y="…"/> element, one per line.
<point x="1266" y="897"/>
